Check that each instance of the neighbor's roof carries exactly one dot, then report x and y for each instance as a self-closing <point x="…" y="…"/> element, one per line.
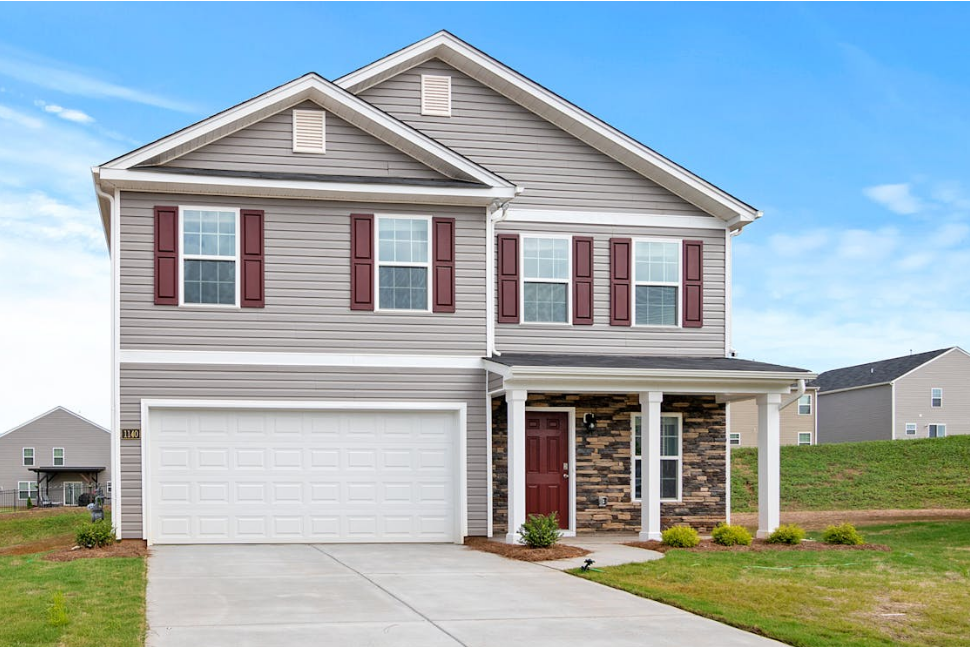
<point x="571" y="360"/>
<point x="54" y="410"/>
<point x="60" y="469"/>
<point x="873" y="373"/>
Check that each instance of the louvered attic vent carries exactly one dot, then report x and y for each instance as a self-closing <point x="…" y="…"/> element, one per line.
<point x="436" y="95"/>
<point x="309" y="132"/>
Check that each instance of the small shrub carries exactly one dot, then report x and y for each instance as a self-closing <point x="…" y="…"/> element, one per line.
<point x="731" y="535"/>
<point x="95" y="534"/>
<point x="30" y="504"/>
<point x="57" y="611"/>
<point x="842" y="534"/>
<point x="788" y="533"/>
<point x="541" y="531"/>
<point x="680" y="537"/>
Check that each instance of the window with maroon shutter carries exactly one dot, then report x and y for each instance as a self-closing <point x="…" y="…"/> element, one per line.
<point x="621" y="255"/>
<point x="508" y="278"/>
<point x="693" y="284"/>
<point x="443" y="233"/>
<point x="582" y="280"/>
<point x="166" y="256"/>
<point x="361" y="262"/>
<point x="657" y="282"/>
<point x="252" y="258"/>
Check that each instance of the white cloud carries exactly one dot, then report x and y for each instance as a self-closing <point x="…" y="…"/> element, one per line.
<point x="896" y="197"/>
<point x="68" y="114"/>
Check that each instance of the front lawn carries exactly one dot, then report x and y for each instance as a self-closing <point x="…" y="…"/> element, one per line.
<point x="34" y="525"/>
<point x="916" y="595"/>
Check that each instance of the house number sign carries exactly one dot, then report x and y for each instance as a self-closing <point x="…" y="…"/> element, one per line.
<point x="131" y="434"/>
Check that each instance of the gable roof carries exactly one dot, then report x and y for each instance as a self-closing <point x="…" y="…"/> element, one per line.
<point x="47" y="413"/>
<point x="875" y="373"/>
<point x="550" y="106"/>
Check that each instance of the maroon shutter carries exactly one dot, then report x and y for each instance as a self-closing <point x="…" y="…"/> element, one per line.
<point x="508" y="278"/>
<point x="361" y="262"/>
<point x="443" y="264"/>
<point x="693" y="284"/>
<point x="621" y="257"/>
<point x="582" y="280"/>
<point x="166" y="256"/>
<point x="252" y="290"/>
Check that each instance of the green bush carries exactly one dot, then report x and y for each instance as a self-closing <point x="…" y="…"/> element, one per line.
<point x="843" y="534"/>
<point x="680" y="537"/>
<point x="541" y="531"/>
<point x="95" y="534"/>
<point x="30" y="504"/>
<point x="789" y="533"/>
<point x="731" y="535"/>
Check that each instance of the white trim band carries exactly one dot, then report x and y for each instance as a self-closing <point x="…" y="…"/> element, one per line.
<point x="630" y="219"/>
<point x="255" y="358"/>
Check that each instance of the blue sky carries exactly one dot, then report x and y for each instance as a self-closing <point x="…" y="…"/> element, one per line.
<point x="847" y="124"/>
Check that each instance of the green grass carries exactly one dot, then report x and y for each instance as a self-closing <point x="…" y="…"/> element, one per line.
<point x="910" y="474"/>
<point x="25" y="527"/>
<point x="825" y="599"/>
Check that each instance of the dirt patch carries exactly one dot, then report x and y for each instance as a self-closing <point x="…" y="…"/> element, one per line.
<point x="821" y="519"/>
<point x="39" y="546"/>
<point x="123" y="548"/>
<point x="524" y="553"/>
<point x="757" y="546"/>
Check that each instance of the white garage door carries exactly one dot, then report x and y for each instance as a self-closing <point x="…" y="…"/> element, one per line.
<point x="223" y="476"/>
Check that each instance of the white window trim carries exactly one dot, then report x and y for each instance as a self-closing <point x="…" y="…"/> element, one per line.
<point x="207" y="257"/>
<point x="938" y="425"/>
<point x="680" y="456"/>
<point x="568" y="280"/>
<point x="54" y="457"/>
<point x="378" y="263"/>
<point x="932" y="397"/>
<point x="30" y="489"/>
<point x="799" y="438"/>
<point x="108" y="488"/>
<point x="33" y="457"/>
<point x="908" y="426"/>
<point x="734" y="435"/>
<point x="678" y="317"/>
<point x="323" y="118"/>
<point x="64" y="490"/>
<point x="798" y="405"/>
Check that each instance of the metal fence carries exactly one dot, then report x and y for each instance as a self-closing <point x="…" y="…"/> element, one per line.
<point x="50" y="497"/>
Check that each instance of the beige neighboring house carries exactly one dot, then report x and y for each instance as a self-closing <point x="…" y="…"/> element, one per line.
<point x="54" y="459"/>
<point x="926" y="395"/>
<point x="798" y="421"/>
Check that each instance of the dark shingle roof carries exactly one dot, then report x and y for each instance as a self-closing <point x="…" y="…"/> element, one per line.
<point x="871" y="373"/>
<point x="575" y="360"/>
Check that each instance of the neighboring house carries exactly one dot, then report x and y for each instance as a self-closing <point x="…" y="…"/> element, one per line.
<point x="55" y="458"/>
<point x="798" y="421"/>
<point x="419" y="303"/>
<point x="926" y="395"/>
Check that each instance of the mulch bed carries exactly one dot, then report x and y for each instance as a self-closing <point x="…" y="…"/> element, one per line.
<point x="524" y="553"/>
<point x="757" y="546"/>
<point x="123" y="548"/>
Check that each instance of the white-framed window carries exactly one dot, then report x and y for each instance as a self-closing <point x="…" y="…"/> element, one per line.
<point x="546" y="272"/>
<point x="804" y="438"/>
<point x="108" y="488"/>
<point x="28" y="456"/>
<point x="671" y="463"/>
<point x="656" y="276"/>
<point x="209" y="256"/>
<point x="26" y="489"/>
<point x="403" y="263"/>
<point x="937" y="430"/>
<point x="734" y="438"/>
<point x="805" y="405"/>
<point x="910" y="428"/>
<point x="58" y="457"/>
<point x="936" y="397"/>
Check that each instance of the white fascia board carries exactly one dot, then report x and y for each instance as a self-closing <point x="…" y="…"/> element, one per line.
<point x="854" y="388"/>
<point x="495" y="367"/>
<point x="623" y="373"/>
<point x="322" y="405"/>
<point x="669" y="384"/>
<point x="246" y="358"/>
<point x="628" y="219"/>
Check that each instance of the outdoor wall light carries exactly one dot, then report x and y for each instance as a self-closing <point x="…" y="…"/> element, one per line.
<point x="589" y="421"/>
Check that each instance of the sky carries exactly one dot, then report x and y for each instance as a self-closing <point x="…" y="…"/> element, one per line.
<point x="848" y="125"/>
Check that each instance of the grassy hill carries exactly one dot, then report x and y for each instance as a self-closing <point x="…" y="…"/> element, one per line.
<point x="900" y="474"/>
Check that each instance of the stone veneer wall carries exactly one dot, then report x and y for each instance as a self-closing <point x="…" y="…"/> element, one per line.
<point x="603" y="461"/>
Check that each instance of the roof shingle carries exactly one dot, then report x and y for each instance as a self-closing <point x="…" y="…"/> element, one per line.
<point x="872" y="373"/>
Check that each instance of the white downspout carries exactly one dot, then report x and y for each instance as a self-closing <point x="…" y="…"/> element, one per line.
<point x="502" y="209"/>
<point x="799" y="392"/>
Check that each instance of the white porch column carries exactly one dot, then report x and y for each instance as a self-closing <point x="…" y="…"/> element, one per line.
<point x="650" y="465"/>
<point x="769" y="464"/>
<point x="515" y="399"/>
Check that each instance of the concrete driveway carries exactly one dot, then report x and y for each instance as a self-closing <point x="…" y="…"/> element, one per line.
<point x="396" y="595"/>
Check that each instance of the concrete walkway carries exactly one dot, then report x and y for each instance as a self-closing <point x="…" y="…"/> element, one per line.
<point x="395" y="596"/>
<point x="605" y="550"/>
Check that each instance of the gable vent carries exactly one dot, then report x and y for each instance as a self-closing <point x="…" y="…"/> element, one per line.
<point x="309" y="131"/>
<point x="436" y="95"/>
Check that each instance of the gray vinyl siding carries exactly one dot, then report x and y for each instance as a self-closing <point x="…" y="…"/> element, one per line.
<point x="494" y="382"/>
<point x="856" y="415"/>
<point x="601" y="336"/>
<point x="744" y="420"/>
<point x="307" y="247"/>
<point x="141" y="381"/>
<point x="556" y="169"/>
<point x="85" y="445"/>
<point x="268" y="146"/>
<point x="950" y="372"/>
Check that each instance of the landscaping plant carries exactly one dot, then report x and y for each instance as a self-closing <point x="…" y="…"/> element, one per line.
<point x="788" y="533"/>
<point x="680" y="537"/>
<point x="541" y="531"/>
<point x="57" y="611"/>
<point x="95" y="535"/>
<point x="731" y="535"/>
<point x="842" y="534"/>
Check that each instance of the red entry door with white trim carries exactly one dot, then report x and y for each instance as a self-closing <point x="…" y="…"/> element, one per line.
<point x="547" y="464"/>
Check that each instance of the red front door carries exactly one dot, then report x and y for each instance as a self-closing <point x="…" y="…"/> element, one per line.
<point x="547" y="464"/>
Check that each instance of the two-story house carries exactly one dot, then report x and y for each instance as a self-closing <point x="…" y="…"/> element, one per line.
<point x="798" y="423"/>
<point x="418" y="303"/>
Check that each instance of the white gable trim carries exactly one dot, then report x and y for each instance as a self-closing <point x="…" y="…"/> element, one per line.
<point x="560" y="112"/>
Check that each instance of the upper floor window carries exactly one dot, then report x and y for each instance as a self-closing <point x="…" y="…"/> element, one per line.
<point x="402" y="263"/>
<point x="28" y="455"/>
<point x="210" y="250"/>
<point x="656" y="272"/>
<point x="545" y="279"/>
<point x="805" y="405"/>
<point x="670" y="457"/>
<point x="936" y="397"/>
<point x="58" y="457"/>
